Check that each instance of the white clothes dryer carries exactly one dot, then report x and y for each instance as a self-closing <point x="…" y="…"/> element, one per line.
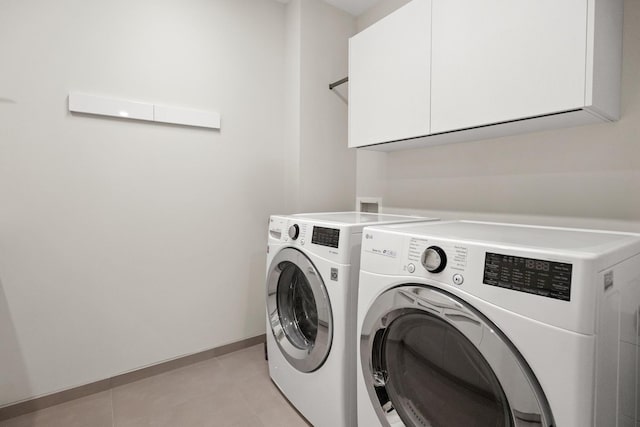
<point x="466" y="324"/>
<point x="312" y="273"/>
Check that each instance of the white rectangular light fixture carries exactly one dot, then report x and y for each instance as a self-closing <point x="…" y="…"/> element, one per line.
<point x="183" y="116"/>
<point x="102" y="106"/>
<point x="122" y="108"/>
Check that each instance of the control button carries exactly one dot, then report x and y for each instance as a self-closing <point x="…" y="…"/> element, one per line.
<point x="411" y="268"/>
<point x="458" y="279"/>
<point x="434" y="259"/>
<point x="294" y="231"/>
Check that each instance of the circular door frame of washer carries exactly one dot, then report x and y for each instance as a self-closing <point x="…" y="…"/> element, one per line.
<point x="512" y="371"/>
<point x="304" y="360"/>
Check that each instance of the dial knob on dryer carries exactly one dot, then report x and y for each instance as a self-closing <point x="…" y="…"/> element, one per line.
<point x="294" y="231"/>
<point x="434" y="259"/>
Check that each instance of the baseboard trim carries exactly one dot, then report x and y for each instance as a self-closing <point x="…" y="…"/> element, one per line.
<point x="38" y="403"/>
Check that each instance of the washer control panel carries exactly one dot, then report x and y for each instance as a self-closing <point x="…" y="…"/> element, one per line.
<point x="325" y="236"/>
<point x="321" y="239"/>
<point x="294" y="231"/>
<point x="289" y="231"/>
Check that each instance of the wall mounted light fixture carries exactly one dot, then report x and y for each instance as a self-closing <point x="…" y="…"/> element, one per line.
<point x="123" y="108"/>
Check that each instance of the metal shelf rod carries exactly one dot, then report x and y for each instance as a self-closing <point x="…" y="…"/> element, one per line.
<point x="338" y="83"/>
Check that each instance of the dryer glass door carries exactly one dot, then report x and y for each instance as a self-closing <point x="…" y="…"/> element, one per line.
<point x="299" y="310"/>
<point x="429" y="359"/>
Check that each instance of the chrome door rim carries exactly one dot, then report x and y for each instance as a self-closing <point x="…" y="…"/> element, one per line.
<point x="493" y="345"/>
<point x="304" y="360"/>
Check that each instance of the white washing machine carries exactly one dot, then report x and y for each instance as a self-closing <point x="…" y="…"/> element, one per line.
<point x="465" y="324"/>
<point x="312" y="273"/>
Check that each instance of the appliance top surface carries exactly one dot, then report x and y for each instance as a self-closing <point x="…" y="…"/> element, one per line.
<point x="526" y="236"/>
<point x="356" y="218"/>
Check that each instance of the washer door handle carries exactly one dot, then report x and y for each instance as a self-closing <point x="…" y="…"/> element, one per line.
<point x="431" y="300"/>
<point x="441" y="304"/>
<point x="464" y="317"/>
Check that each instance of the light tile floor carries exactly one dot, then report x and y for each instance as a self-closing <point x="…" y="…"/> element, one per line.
<point x="233" y="390"/>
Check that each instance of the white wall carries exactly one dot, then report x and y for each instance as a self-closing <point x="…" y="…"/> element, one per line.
<point x="318" y="35"/>
<point x="586" y="175"/>
<point x="126" y="243"/>
<point x="292" y="83"/>
<point x="371" y="165"/>
<point x="377" y="12"/>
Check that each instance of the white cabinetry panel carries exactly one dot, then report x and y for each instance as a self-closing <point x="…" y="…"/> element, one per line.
<point x="500" y="60"/>
<point x="389" y="77"/>
<point x="443" y="71"/>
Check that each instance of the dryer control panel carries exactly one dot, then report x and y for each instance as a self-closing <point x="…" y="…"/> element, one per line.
<point x="535" y="276"/>
<point x="543" y="273"/>
<point x="438" y="259"/>
<point x="435" y="259"/>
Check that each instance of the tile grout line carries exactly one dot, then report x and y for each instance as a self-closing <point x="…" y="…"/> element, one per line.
<point x="113" y="409"/>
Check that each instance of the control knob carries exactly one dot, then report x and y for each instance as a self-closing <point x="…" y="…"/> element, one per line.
<point x="434" y="259"/>
<point x="294" y="231"/>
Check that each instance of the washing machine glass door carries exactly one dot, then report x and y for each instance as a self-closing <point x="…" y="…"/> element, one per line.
<point x="429" y="359"/>
<point x="299" y="310"/>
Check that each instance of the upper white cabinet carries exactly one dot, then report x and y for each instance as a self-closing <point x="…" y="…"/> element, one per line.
<point x="389" y="77"/>
<point x="494" y="68"/>
<point x="500" y="60"/>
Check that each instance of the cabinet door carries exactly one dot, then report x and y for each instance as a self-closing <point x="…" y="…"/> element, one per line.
<point x="389" y="77"/>
<point x="501" y="60"/>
